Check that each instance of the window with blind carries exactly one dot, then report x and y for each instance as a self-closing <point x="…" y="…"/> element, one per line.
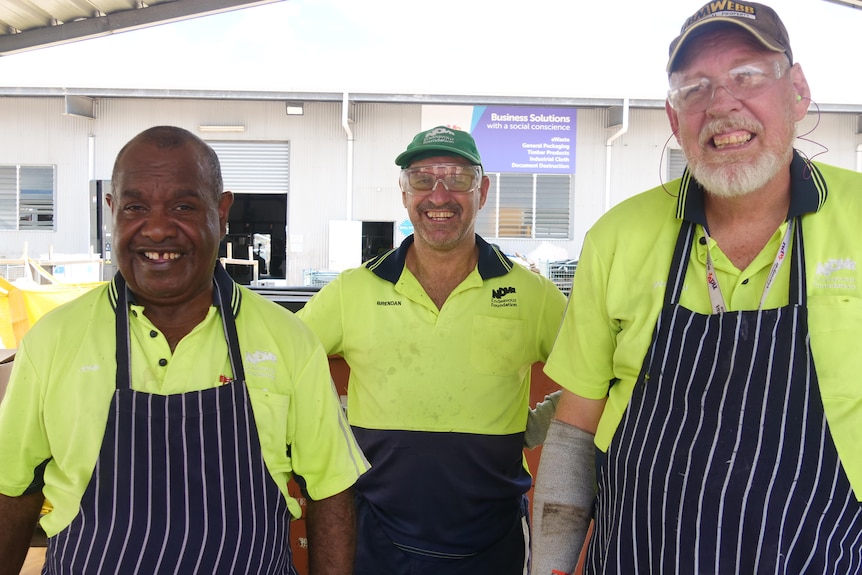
<point x="254" y="167"/>
<point x="675" y="164"/>
<point x="526" y="206"/>
<point x="27" y="197"/>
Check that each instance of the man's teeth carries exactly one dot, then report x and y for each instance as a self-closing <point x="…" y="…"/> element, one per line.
<point x="440" y="214"/>
<point x="164" y="256"/>
<point x="735" y="140"/>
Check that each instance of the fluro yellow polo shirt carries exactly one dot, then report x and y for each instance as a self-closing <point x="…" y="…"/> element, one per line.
<point x="618" y="292"/>
<point x="64" y="378"/>
<point x="477" y="350"/>
<point x="438" y="398"/>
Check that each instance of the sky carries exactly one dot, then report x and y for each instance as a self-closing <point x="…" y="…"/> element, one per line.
<point x="540" y="48"/>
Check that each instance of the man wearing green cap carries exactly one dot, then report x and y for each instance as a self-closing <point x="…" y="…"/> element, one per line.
<point x="710" y="355"/>
<point x="440" y="335"/>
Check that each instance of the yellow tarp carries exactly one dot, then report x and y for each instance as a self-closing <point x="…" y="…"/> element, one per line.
<point x="21" y="307"/>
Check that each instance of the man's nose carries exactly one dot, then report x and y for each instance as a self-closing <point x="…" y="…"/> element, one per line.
<point x="722" y="97"/>
<point x="158" y="225"/>
<point x="440" y="189"/>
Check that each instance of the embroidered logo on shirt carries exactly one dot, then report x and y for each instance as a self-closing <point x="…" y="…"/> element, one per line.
<point x="257" y="364"/>
<point x="499" y="299"/>
<point x="827" y="268"/>
<point x="259" y="356"/>
<point x="388" y="302"/>
<point x="836" y="274"/>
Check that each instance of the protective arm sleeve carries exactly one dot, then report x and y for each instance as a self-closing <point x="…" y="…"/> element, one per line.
<point x="563" y="498"/>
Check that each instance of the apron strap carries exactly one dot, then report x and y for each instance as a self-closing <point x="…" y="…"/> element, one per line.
<point x="228" y="297"/>
<point x="122" y="338"/>
<point x="798" y="296"/>
<point x="679" y="264"/>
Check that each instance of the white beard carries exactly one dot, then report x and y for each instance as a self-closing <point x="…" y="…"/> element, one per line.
<point x="738" y="179"/>
<point x="738" y="175"/>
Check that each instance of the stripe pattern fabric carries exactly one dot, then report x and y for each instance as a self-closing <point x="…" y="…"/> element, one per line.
<point x="723" y="462"/>
<point x="180" y="485"/>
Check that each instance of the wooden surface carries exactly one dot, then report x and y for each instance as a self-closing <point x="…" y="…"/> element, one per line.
<point x="34" y="561"/>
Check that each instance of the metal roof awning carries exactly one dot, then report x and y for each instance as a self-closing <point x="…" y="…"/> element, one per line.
<point x="850" y="3"/>
<point x="31" y="24"/>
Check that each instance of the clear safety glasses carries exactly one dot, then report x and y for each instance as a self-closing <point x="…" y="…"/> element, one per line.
<point x="692" y="95"/>
<point x="422" y="180"/>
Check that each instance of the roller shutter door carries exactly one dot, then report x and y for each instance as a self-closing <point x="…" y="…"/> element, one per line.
<point x="254" y="167"/>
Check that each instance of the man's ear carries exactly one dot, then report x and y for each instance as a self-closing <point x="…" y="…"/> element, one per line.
<point x="224" y="204"/>
<point x="673" y="118"/>
<point x="483" y="190"/>
<point x="802" y="93"/>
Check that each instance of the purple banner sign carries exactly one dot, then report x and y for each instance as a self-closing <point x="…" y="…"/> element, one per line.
<point x="527" y="140"/>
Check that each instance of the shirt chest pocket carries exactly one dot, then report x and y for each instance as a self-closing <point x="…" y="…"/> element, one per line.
<point x="835" y="325"/>
<point x="835" y="328"/>
<point x="498" y="345"/>
<point x="274" y="426"/>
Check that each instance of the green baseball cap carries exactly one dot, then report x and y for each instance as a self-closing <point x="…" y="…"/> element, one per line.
<point x="440" y="141"/>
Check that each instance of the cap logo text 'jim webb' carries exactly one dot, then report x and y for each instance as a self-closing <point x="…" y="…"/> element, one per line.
<point x="757" y="19"/>
<point x="713" y="8"/>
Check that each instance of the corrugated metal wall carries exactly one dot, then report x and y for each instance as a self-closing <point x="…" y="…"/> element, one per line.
<point x="316" y="144"/>
<point x="382" y="132"/>
<point x="35" y="131"/>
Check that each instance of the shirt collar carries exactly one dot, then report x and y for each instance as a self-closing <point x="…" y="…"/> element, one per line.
<point x="807" y="192"/>
<point x="492" y="262"/>
<point x="225" y="292"/>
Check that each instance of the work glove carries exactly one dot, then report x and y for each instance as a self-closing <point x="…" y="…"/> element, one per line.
<point x="540" y="418"/>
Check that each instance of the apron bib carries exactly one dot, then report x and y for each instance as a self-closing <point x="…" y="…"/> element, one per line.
<point x="723" y="462"/>
<point x="180" y="485"/>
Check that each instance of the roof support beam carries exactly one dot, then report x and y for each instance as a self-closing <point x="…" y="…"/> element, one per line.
<point x="122" y="21"/>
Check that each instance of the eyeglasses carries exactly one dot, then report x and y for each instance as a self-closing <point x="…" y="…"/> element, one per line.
<point x="694" y="95"/>
<point x="422" y="180"/>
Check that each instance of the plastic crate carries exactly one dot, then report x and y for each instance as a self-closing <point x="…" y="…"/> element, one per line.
<point x="318" y="278"/>
<point x="562" y="273"/>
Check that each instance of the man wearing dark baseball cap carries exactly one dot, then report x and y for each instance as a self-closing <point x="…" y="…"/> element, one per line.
<point x="758" y="20"/>
<point x="440" y="335"/>
<point x="712" y="407"/>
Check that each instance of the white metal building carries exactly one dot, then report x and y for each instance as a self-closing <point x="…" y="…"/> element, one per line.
<point x="314" y="174"/>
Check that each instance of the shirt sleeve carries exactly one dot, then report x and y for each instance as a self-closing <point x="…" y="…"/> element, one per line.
<point x="552" y="316"/>
<point x="323" y="314"/>
<point x="323" y="450"/>
<point x="582" y="358"/>
<point x="23" y="442"/>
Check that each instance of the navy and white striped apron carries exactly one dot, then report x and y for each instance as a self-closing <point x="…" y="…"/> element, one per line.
<point x="180" y="485"/>
<point x="723" y="462"/>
